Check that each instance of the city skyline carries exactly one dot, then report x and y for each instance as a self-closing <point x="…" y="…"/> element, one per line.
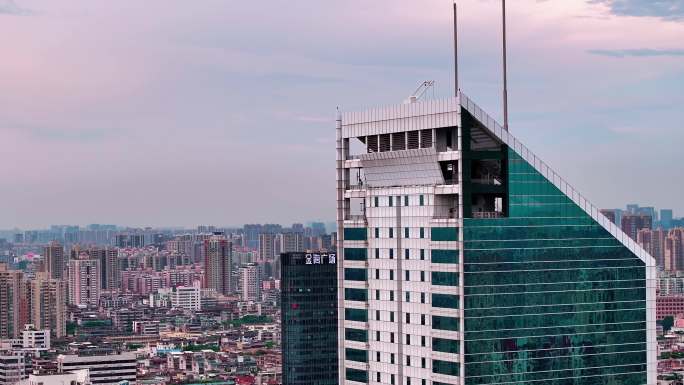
<point x="98" y="114"/>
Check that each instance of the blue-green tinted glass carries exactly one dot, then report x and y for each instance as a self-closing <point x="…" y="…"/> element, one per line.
<point x="359" y="335"/>
<point x="550" y="296"/>
<point x="449" y="301"/>
<point x="352" y="274"/>
<point x="356" y="355"/>
<point x="355" y="254"/>
<point x="444" y="234"/>
<point x="360" y="315"/>
<point x="444" y="256"/>
<point x="356" y="375"/>
<point x="445" y="323"/>
<point x="352" y="294"/>
<point x="444" y="278"/>
<point x="355" y="234"/>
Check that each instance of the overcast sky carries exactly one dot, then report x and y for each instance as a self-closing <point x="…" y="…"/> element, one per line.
<point x="161" y="112"/>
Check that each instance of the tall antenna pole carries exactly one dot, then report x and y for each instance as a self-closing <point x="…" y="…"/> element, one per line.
<point x="455" y="51"/>
<point x="505" y="79"/>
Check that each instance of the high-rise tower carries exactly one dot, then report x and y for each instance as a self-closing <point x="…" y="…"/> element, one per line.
<point x="217" y="264"/>
<point x="467" y="260"/>
<point x="54" y="262"/>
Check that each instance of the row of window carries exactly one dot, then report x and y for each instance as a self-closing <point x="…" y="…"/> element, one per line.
<point x="438" y="323"/>
<point x="437" y="256"/>
<point x="438" y="367"/>
<point x="391" y="201"/>
<point x="437" y="234"/>
<point x="438" y="278"/>
<point x="438" y="345"/>
<point x="445" y="301"/>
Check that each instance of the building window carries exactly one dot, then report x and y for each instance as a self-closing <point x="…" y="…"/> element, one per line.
<point x="377" y="273"/>
<point x="422" y="297"/>
<point x="377" y="315"/>
<point x="439" y="234"/>
<point x="421" y="200"/>
<point x="422" y="232"/>
<point x="352" y="274"/>
<point x="408" y="297"/>
<point x="444" y="256"/>
<point x="444" y="278"/>
<point x="352" y="294"/>
<point x="445" y="367"/>
<point x="377" y="295"/>
<point x="355" y="234"/>
<point x="377" y="232"/>
<point x="391" y="232"/>
<point x="445" y="323"/>
<point x="408" y="318"/>
<point x="408" y="339"/>
<point x="422" y="341"/>
<point x="448" y="301"/>
<point x="391" y="379"/>
<point x="356" y="355"/>
<point x="355" y="254"/>
<point x="422" y="254"/>
<point x="377" y="377"/>
<point x="377" y="253"/>
<point x="391" y="316"/>
<point x="406" y="232"/>
<point x="358" y="335"/>
<point x="422" y="276"/>
<point x="391" y="337"/>
<point x="407" y="253"/>
<point x="445" y="345"/>
<point x="391" y="251"/>
<point x="356" y="375"/>
<point x="376" y="201"/>
<point x="359" y="315"/>
<point x="408" y="360"/>
<point x="407" y="275"/>
<point x="391" y="358"/>
<point x="377" y="336"/>
<point x="390" y="201"/>
<point x="391" y="275"/>
<point x="406" y="200"/>
<point x="423" y="362"/>
<point x="422" y="319"/>
<point x="391" y="295"/>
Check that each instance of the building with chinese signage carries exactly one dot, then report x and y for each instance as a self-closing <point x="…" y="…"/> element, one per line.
<point x="309" y="318"/>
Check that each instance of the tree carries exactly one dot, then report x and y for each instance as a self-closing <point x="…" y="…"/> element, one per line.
<point x="667" y="323"/>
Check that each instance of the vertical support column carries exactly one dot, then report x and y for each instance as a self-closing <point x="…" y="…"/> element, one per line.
<point x="400" y="296"/>
<point x="341" y="183"/>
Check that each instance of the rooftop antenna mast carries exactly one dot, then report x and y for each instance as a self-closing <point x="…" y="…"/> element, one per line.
<point x="505" y="78"/>
<point x="455" y="51"/>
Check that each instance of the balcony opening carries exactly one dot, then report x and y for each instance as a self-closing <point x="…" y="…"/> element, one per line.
<point x="446" y="206"/>
<point x="449" y="172"/>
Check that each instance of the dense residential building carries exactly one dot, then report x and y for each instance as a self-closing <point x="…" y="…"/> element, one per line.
<point x="653" y="241"/>
<point x="632" y="223"/>
<point x="674" y="249"/>
<point x="266" y="246"/>
<point x="54" y="261"/>
<point x="218" y="264"/>
<point x="466" y="260"/>
<point x="84" y="282"/>
<point x="12" y="368"/>
<point x="107" y="369"/>
<point x="109" y="266"/>
<point x="13" y="311"/>
<point x="76" y="377"/>
<point x="186" y="297"/>
<point x="291" y="242"/>
<point x="669" y="306"/>
<point x="48" y="298"/>
<point x="250" y="282"/>
<point x="309" y="319"/>
<point x="610" y="214"/>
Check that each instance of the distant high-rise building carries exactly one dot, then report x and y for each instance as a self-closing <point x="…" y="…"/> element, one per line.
<point x="218" y="264"/>
<point x="309" y="320"/>
<point x="653" y="241"/>
<point x="110" y="271"/>
<point x="666" y="218"/>
<point x="186" y="297"/>
<point x="54" y="261"/>
<point x="632" y="223"/>
<point x="610" y="214"/>
<point x="291" y="242"/>
<point x="84" y="282"/>
<point x="674" y="249"/>
<point x="266" y="246"/>
<point x="472" y="262"/>
<point x="250" y="282"/>
<point x="12" y="368"/>
<point x="48" y="298"/>
<point x="13" y="312"/>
